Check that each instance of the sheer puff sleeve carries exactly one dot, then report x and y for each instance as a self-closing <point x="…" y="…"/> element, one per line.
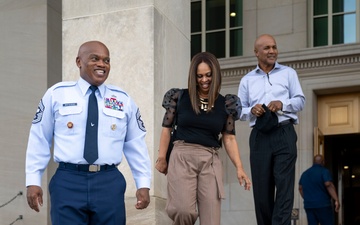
<point x="233" y="109"/>
<point x="169" y="103"/>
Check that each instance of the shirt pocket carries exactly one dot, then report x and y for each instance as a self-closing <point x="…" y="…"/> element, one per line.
<point x="114" y="123"/>
<point x="69" y="120"/>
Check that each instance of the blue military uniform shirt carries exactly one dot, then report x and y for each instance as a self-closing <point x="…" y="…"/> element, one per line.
<point x="61" y="117"/>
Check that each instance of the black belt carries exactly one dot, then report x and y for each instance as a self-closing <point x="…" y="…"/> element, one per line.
<point x="286" y="122"/>
<point x="86" y="167"/>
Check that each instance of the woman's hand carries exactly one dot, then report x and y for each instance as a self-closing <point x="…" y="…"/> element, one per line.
<point x="243" y="179"/>
<point x="231" y="148"/>
<point x="161" y="165"/>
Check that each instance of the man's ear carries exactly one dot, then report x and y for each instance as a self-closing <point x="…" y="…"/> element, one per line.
<point x="78" y="62"/>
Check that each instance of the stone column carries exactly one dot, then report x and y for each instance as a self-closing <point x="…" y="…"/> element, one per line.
<point x="23" y="81"/>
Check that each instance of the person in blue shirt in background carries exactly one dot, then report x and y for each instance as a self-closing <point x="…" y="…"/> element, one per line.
<point x="317" y="189"/>
<point x="271" y="97"/>
<point x="87" y="191"/>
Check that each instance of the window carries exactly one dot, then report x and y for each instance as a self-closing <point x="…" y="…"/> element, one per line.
<point x="216" y="27"/>
<point x="335" y="22"/>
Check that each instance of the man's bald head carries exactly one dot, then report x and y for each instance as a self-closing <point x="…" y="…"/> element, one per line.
<point x="88" y="46"/>
<point x="319" y="159"/>
<point x="262" y="38"/>
<point x="265" y="50"/>
<point x="93" y="61"/>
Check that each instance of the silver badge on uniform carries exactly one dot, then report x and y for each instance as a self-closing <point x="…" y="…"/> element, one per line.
<point x="39" y="112"/>
<point x="139" y="121"/>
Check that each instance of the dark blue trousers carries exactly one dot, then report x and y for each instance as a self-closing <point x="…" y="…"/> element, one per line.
<point x="324" y="216"/>
<point x="86" y="198"/>
<point x="272" y="159"/>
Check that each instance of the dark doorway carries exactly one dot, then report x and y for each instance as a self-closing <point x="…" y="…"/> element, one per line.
<point x="342" y="158"/>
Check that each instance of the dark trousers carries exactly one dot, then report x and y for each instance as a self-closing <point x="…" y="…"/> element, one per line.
<point x="324" y="216"/>
<point x="272" y="159"/>
<point x="85" y="198"/>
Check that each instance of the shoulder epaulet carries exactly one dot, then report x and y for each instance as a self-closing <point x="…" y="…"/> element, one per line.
<point x="117" y="89"/>
<point x="64" y="84"/>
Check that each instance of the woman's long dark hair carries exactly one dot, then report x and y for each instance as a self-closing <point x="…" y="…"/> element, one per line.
<point x="215" y="85"/>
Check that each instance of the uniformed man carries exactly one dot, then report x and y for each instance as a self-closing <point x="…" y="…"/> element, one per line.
<point x="87" y="188"/>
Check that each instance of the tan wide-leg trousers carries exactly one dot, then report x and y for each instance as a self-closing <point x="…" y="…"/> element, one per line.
<point x="195" y="186"/>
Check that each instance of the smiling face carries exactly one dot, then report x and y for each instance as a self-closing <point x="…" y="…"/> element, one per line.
<point x="94" y="62"/>
<point x="266" y="51"/>
<point x="203" y="79"/>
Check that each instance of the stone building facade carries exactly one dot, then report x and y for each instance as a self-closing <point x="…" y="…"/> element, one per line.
<point x="149" y="43"/>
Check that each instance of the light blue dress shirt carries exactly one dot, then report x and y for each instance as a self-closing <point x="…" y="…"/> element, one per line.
<point x="281" y="83"/>
<point x="61" y="117"/>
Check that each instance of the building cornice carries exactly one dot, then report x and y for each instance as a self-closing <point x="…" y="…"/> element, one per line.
<point x="307" y="62"/>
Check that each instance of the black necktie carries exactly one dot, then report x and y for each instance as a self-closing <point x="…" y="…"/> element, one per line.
<point x="91" y="135"/>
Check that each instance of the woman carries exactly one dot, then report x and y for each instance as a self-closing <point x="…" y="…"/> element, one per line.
<point x="195" y="185"/>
